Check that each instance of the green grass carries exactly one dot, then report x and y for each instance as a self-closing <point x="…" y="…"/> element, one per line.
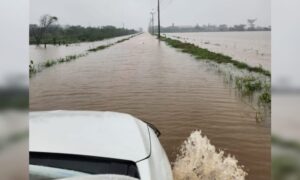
<point x="122" y="40"/>
<point x="248" y="84"/>
<point x="99" y="48"/>
<point x="201" y="53"/>
<point x="50" y="63"/>
<point x="107" y="46"/>
<point x="265" y="98"/>
<point x="69" y="58"/>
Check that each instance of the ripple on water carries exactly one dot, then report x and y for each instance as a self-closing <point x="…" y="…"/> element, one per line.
<point x="160" y="85"/>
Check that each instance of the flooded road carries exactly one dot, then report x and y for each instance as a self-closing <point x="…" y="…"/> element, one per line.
<point x="156" y="83"/>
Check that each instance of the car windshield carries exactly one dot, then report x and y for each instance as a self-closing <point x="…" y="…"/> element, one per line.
<point x="56" y="166"/>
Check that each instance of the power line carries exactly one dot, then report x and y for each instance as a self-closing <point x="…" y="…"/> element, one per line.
<point x="158" y="14"/>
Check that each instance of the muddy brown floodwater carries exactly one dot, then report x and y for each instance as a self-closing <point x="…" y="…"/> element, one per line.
<point x="156" y="83"/>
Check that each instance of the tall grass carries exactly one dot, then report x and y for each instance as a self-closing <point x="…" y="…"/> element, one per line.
<point x="99" y="48"/>
<point x="33" y="69"/>
<point x="248" y="84"/>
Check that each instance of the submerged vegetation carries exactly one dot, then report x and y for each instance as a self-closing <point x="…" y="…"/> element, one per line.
<point x="201" y="53"/>
<point x="265" y="97"/>
<point x="248" y="84"/>
<point x="106" y="46"/>
<point x="251" y="82"/>
<point x="122" y="40"/>
<point x="99" y="48"/>
<point x="33" y="69"/>
<point x="50" y="63"/>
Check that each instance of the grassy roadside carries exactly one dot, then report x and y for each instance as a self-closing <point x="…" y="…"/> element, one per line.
<point x="201" y="53"/>
<point x="33" y="68"/>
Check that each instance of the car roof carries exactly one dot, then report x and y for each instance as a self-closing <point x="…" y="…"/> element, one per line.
<point x="100" y="134"/>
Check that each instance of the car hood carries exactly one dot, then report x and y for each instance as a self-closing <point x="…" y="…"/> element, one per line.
<point x="100" y="134"/>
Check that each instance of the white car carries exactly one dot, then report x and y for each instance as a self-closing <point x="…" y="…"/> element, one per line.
<point x="94" y="146"/>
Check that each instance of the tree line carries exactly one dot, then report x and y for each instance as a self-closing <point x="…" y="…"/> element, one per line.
<point x="208" y="28"/>
<point x="48" y="31"/>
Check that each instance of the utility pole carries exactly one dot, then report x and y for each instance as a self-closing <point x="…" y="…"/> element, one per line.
<point x="152" y="22"/>
<point x="158" y="10"/>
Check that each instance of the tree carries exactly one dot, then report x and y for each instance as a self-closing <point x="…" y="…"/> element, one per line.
<point x="39" y="31"/>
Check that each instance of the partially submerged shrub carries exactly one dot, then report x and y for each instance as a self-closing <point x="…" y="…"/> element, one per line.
<point x="265" y="97"/>
<point x="248" y="85"/>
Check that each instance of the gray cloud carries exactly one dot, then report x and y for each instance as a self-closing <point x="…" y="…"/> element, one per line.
<point x="136" y="13"/>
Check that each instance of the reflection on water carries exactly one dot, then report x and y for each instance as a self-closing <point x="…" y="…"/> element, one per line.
<point x="170" y="89"/>
<point x="254" y="48"/>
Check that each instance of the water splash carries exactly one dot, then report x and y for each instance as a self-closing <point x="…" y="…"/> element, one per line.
<point x="198" y="159"/>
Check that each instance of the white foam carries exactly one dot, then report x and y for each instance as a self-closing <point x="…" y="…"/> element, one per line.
<point x="198" y="159"/>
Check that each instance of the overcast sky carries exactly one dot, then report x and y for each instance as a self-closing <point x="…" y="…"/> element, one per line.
<point x="136" y="13"/>
<point x="14" y="57"/>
